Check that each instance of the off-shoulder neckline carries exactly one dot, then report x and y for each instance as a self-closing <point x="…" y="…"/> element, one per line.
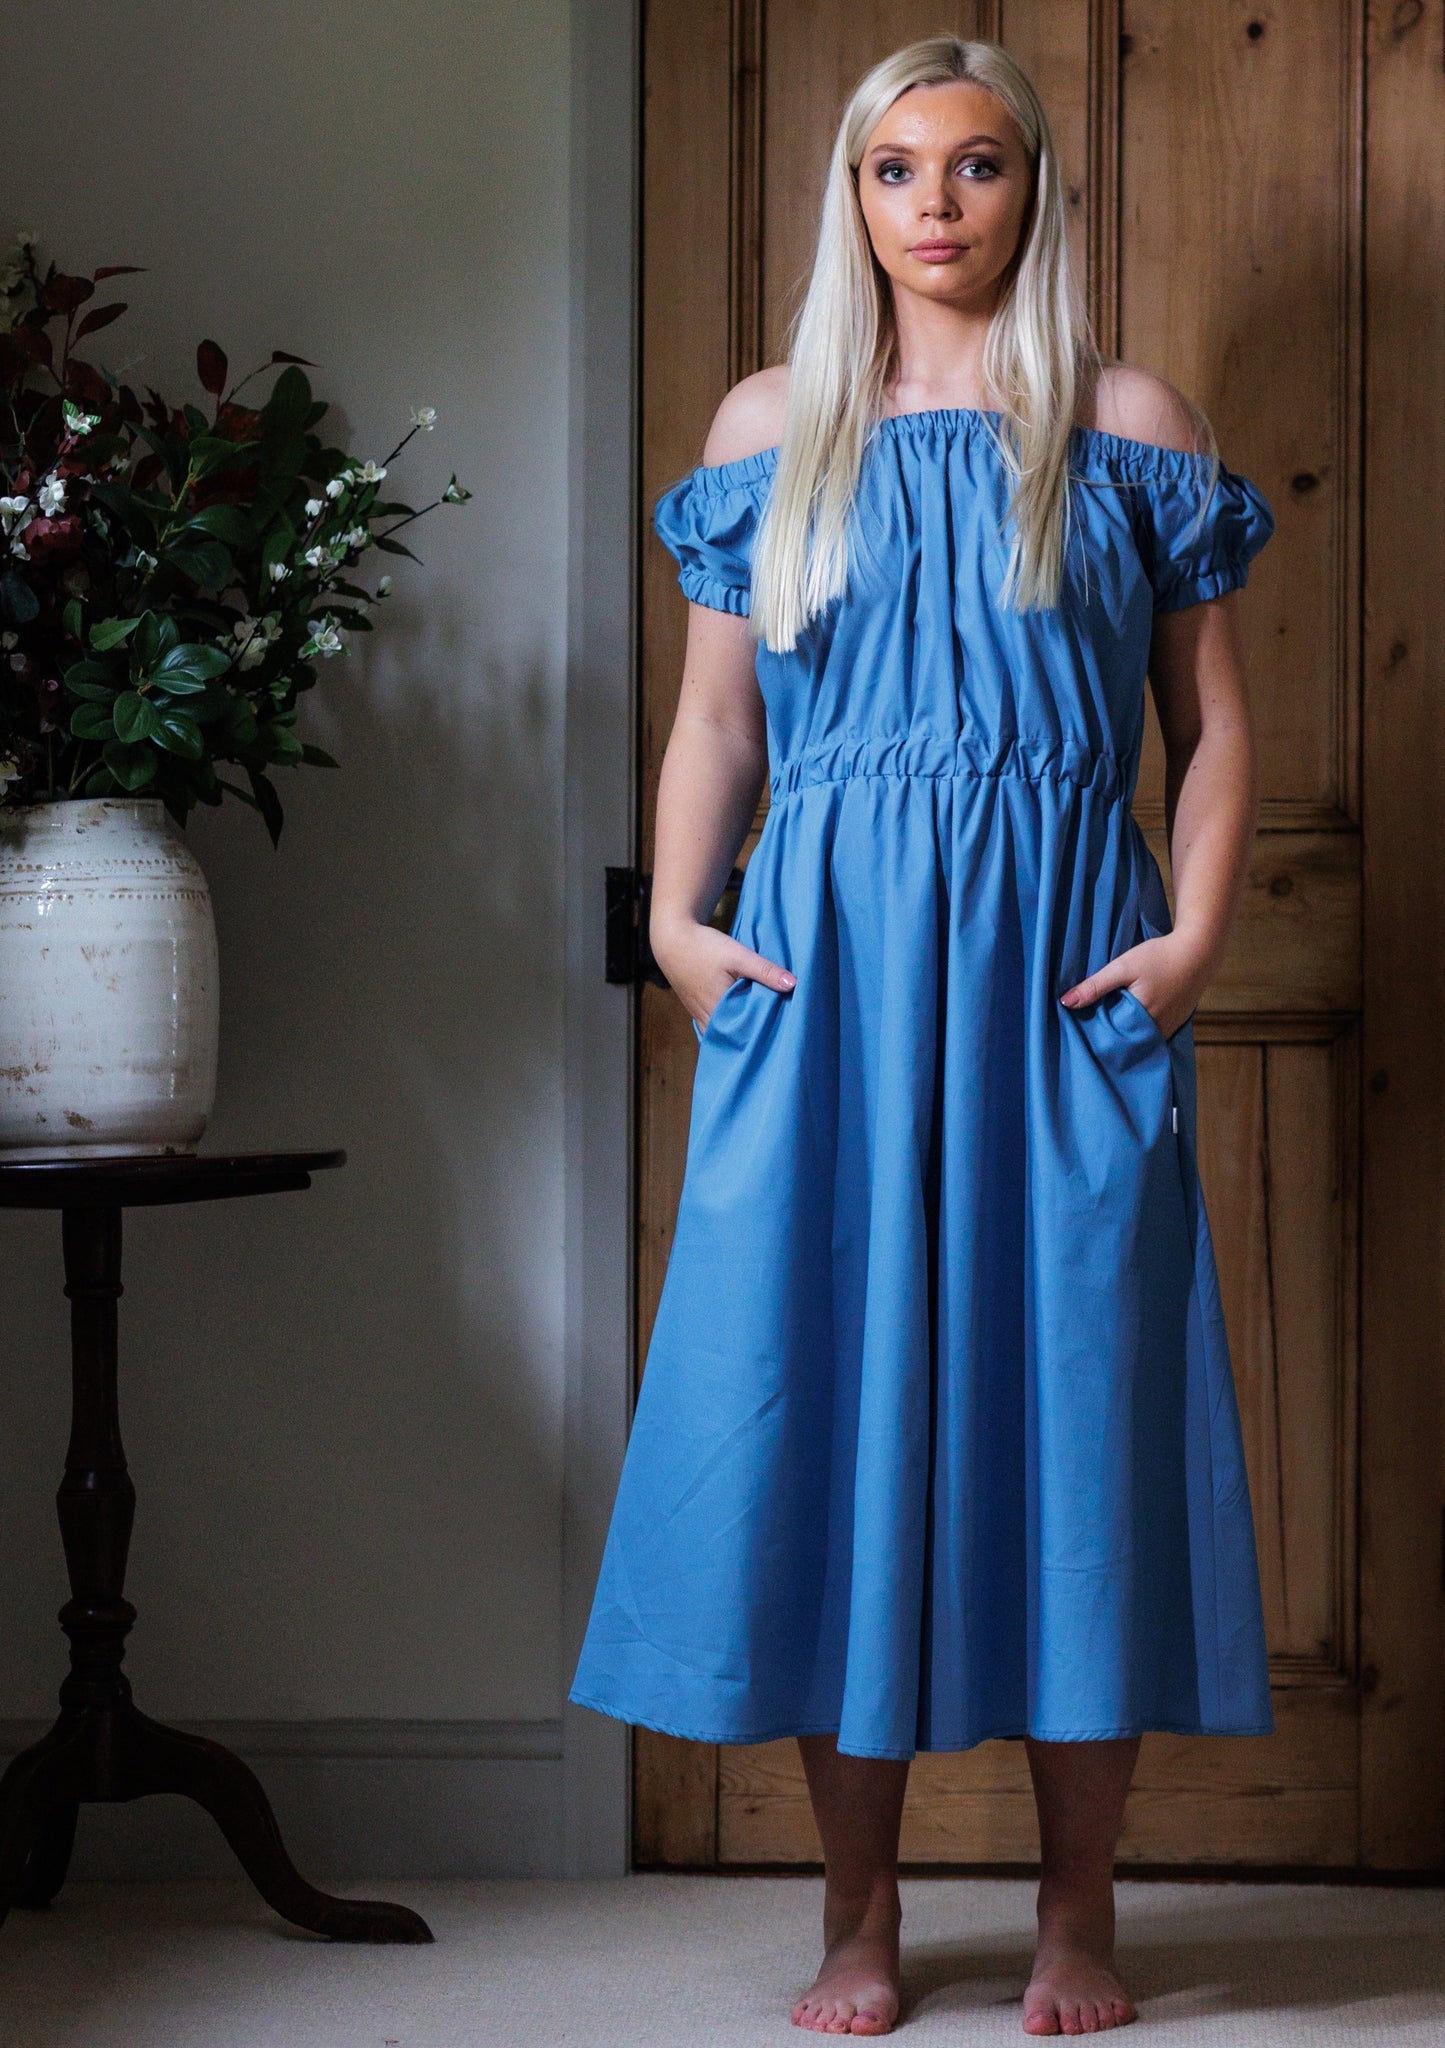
<point x="974" y="418"/>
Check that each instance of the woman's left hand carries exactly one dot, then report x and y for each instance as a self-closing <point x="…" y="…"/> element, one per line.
<point x="1167" y="975"/>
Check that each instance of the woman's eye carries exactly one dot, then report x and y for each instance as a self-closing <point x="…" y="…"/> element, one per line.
<point x="886" y="173"/>
<point x="983" y="166"/>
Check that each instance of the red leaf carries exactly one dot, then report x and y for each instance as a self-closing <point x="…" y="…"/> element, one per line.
<point x="33" y="342"/>
<point x="279" y="355"/>
<point x="118" y="270"/>
<point x="100" y="316"/>
<point x="129" y="406"/>
<point x="212" y="367"/>
<point x="81" y="381"/>
<point x="63" y="294"/>
<point x="147" y="472"/>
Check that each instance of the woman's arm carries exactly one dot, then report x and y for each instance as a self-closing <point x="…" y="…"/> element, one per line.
<point x="717" y="755"/>
<point x="712" y="776"/>
<point x="1211" y="800"/>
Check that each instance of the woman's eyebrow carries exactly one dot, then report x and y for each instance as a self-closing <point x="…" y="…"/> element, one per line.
<point x="903" y="149"/>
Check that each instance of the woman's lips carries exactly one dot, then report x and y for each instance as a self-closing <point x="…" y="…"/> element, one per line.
<point x="936" y="252"/>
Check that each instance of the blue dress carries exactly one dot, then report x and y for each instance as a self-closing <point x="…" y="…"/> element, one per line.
<point x="937" y="1438"/>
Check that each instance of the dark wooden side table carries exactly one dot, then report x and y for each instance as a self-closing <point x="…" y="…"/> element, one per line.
<point x="102" y="1747"/>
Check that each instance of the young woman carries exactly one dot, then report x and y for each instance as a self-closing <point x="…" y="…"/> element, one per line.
<point x="938" y="1439"/>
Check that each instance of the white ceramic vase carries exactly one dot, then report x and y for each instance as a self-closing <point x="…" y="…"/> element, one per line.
<point x="109" y="992"/>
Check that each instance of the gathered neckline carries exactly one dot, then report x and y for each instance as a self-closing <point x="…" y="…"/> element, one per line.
<point x="745" y="467"/>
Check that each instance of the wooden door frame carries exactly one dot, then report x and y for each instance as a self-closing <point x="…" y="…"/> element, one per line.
<point x="598" y="1020"/>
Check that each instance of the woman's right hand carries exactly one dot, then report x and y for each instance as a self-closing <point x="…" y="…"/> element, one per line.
<point x="701" y="963"/>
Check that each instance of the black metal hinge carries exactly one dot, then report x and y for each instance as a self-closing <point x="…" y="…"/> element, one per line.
<point x="629" y="950"/>
<point x="630" y="958"/>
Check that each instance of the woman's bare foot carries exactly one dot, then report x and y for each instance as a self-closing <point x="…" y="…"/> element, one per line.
<point x="1074" y="1989"/>
<point x="856" y="1991"/>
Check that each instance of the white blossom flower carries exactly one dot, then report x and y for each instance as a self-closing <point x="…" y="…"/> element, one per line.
<point x="313" y="506"/>
<point x="11" y="509"/>
<point x="338" y="484"/>
<point x="279" y="572"/>
<point x="17" y="662"/>
<point x="358" y="537"/>
<point x="371" y="473"/>
<point x="325" y="638"/>
<point x="255" y="637"/>
<point x="18" y="547"/>
<point x="383" y="589"/>
<point x="319" y="558"/>
<point x="455" y="493"/>
<point x="52" y="496"/>
<point x="10" y="771"/>
<point x="425" y="417"/>
<point x="78" y="422"/>
<point x="145" y="562"/>
<point x="9" y="640"/>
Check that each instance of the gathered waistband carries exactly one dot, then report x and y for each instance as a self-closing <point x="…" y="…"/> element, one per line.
<point x="970" y="756"/>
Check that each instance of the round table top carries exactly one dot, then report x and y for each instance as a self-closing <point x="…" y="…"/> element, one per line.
<point x="155" y="1178"/>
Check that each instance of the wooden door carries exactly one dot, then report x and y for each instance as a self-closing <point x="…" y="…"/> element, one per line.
<point x="1255" y="190"/>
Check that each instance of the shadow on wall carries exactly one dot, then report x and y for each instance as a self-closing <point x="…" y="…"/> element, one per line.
<point x="364" y="1520"/>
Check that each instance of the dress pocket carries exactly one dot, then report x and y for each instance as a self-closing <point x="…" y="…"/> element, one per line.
<point x="705" y="1031"/>
<point x="1146" y="1016"/>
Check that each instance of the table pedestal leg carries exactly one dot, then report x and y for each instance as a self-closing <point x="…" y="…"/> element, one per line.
<point x="102" y="1748"/>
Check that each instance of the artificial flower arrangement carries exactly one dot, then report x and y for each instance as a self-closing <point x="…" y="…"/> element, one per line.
<point x="169" y="576"/>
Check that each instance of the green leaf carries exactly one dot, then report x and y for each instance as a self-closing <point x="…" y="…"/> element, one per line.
<point x="205" y="562"/>
<point x="201" y="702"/>
<point x="235" y="789"/>
<point x="241" y="727"/>
<point x="132" y="767"/>
<point x="280" y="546"/>
<point x="134" y="718"/>
<point x="267" y="803"/>
<point x="210" y="454"/>
<point x="317" y="757"/>
<point x="92" y="722"/>
<point x="193" y="660"/>
<point x="73" y="619"/>
<point x="195" y="419"/>
<point x="180" y="734"/>
<point x="88" y="671"/>
<point x="148" y="645"/>
<point x="393" y="547"/>
<point x="108" y="633"/>
<point x="18" y="602"/>
<point x="288" y="408"/>
<point x="99" y="782"/>
<point x="282" y="745"/>
<point x="92" y="693"/>
<point x="224" y="522"/>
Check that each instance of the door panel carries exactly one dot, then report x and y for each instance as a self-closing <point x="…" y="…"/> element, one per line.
<point x="1219" y="194"/>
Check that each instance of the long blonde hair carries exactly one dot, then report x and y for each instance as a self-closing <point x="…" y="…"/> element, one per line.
<point x="842" y="354"/>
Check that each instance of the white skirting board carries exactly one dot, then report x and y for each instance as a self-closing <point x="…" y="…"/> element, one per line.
<point x="355" y="1799"/>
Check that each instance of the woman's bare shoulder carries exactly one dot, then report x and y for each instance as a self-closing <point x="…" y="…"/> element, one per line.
<point x="1142" y="407"/>
<point x="750" y="418"/>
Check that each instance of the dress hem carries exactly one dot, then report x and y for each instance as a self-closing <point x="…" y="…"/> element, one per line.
<point x="1009" y="1733"/>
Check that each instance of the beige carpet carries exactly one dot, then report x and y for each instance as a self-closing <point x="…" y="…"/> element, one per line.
<point x="649" y="1961"/>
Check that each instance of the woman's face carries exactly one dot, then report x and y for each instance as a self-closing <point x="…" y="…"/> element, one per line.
<point x="944" y="185"/>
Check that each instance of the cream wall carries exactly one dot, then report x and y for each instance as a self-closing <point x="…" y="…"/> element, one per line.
<point x="343" y="1410"/>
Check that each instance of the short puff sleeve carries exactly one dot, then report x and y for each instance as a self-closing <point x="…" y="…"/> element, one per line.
<point x="708" y="521"/>
<point x="1203" y="530"/>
